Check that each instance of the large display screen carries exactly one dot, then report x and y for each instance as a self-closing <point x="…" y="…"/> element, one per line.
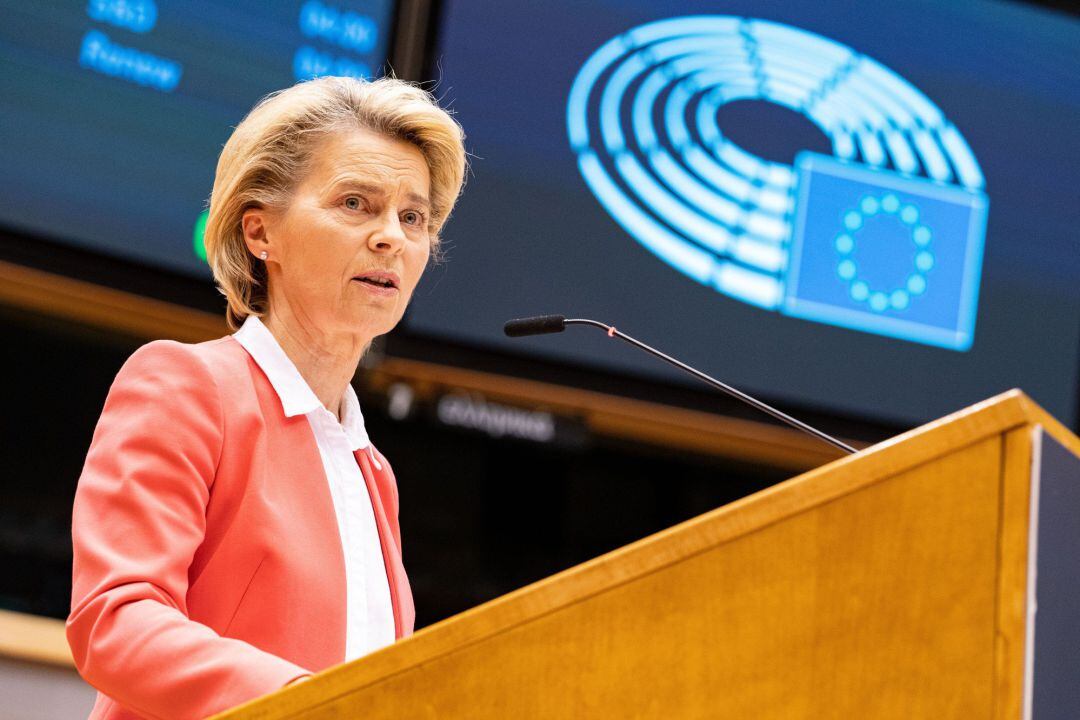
<point x="115" y="111"/>
<point x="866" y="209"/>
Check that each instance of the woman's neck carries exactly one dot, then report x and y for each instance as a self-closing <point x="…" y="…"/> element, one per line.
<point x="327" y="362"/>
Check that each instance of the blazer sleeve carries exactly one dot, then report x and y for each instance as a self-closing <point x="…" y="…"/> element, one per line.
<point x="138" y="518"/>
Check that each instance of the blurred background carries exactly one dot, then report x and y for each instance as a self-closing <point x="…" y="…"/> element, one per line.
<point x="515" y="458"/>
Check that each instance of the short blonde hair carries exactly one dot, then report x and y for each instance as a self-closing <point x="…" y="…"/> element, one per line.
<point x="269" y="154"/>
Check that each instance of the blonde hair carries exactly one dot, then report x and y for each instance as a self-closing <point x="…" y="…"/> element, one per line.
<point x="270" y="152"/>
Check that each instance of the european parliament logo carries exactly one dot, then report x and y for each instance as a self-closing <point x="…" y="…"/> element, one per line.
<point x="885" y="236"/>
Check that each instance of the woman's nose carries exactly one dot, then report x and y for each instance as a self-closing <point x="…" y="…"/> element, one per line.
<point x="389" y="236"/>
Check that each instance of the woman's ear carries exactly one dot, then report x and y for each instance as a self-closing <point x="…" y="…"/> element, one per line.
<point x="254" y="225"/>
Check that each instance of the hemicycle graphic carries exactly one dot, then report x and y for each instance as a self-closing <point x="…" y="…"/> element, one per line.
<point x="884" y="236"/>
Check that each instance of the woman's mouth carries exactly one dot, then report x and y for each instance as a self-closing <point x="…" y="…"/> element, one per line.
<point x="379" y="282"/>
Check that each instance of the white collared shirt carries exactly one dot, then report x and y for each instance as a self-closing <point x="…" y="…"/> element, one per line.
<point x="369" y="613"/>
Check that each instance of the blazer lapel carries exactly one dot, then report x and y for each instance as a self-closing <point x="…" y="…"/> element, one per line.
<point x="400" y="592"/>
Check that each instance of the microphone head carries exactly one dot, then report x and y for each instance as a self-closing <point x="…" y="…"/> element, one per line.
<point x="538" y="325"/>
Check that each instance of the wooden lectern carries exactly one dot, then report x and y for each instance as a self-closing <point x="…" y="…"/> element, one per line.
<point x="895" y="583"/>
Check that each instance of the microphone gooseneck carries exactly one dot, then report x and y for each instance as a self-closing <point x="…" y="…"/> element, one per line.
<point x="557" y="323"/>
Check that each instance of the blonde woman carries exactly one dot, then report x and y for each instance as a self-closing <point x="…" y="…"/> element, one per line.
<point x="234" y="528"/>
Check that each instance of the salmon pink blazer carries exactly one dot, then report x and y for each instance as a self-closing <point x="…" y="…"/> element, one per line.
<point x="208" y="567"/>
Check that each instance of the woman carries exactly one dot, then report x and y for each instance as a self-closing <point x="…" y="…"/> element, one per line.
<point x="234" y="529"/>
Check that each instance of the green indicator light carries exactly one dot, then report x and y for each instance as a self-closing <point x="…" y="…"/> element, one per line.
<point x="197" y="236"/>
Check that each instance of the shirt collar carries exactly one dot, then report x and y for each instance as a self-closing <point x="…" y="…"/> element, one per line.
<point x="352" y="420"/>
<point x="295" y="394"/>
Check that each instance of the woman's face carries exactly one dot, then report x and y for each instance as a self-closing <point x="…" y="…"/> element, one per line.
<point x="347" y="253"/>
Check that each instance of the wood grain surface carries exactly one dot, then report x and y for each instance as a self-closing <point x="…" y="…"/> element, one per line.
<point x="886" y="584"/>
<point x="33" y="638"/>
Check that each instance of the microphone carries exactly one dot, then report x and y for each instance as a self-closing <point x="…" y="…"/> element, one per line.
<point x="544" y="324"/>
<point x="538" y="325"/>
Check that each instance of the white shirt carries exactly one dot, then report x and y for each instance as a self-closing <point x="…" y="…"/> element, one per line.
<point x="369" y="614"/>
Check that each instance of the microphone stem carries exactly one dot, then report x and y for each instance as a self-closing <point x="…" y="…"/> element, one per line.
<point x="784" y="417"/>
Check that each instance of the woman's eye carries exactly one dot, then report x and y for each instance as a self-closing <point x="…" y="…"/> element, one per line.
<point x="353" y="203"/>
<point x="413" y="218"/>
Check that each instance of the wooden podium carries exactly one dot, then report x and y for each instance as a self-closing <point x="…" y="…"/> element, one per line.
<point x="895" y="583"/>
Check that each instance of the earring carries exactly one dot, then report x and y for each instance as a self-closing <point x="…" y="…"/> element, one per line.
<point x="263" y="255"/>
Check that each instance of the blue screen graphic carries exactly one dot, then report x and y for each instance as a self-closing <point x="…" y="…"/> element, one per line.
<point x="642" y="118"/>
<point x="694" y="234"/>
<point x="115" y="110"/>
<point x="884" y="253"/>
